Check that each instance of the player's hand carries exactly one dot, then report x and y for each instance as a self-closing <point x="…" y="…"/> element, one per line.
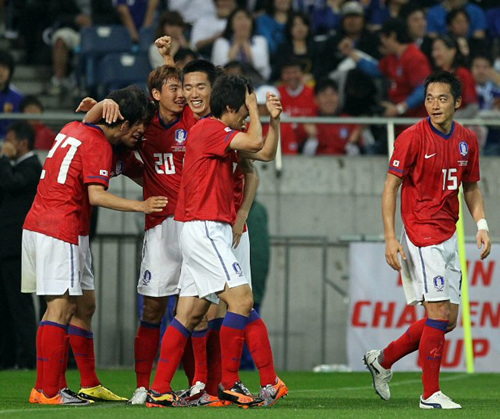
<point x="273" y="105"/>
<point x="392" y="248"/>
<point x="346" y="46"/>
<point x="86" y="104"/>
<point x="484" y="241"/>
<point x="251" y="100"/>
<point x="111" y="111"/>
<point x="238" y="228"/>
<point x="9" y="150"/>
<point x="154" y="204"/>
<point x="164" y="44"/>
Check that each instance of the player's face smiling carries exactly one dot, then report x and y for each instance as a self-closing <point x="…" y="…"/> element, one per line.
<point x="440" y="106"/>
<point x="197" y="90"/>
<point x="133" y="135"/>
<point x="171" y="97"/>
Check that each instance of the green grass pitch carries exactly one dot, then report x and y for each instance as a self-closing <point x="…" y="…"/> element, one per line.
<point x="327" y="395"/>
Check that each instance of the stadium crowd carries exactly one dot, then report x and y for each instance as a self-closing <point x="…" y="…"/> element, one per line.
<point x="368" y="48"/>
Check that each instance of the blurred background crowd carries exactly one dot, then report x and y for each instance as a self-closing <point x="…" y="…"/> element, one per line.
<point x="325" y="57"/>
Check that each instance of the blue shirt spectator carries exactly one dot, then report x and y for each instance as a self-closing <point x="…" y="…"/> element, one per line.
<point x="10" y="97"/>
<point x="272" y="24"/>
<point x="436" y="19"/>
<point x="136" y="14"/>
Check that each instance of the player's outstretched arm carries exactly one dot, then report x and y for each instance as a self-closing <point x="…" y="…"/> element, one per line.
<point x="249" y="192"/>
<point x="98" y="196"/>
<point x="389" y="200"/>
<point x="106" y="109"/>
<point x="164" y="44"/>
<point x="268" y="152"/>
<point x="474" y="200"/>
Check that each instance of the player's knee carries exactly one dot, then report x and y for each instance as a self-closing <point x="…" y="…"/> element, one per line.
<point x="153" y="311"/>
<point x="243" y="305"/>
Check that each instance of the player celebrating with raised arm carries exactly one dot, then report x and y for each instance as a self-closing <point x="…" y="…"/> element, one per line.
<point x="431" y="160"/>
<point x="75" y="175"/>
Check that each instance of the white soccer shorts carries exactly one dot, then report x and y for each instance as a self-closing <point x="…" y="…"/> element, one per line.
<point x="242" y="254"/>
<point x="431" y="273"/>
<point x="208" y="261"/>
<point x="49" y="266"/>
<point x="161" y="260"/>
<point x="87" y="272"/>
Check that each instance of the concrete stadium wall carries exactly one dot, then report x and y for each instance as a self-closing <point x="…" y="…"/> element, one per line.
<point x="331" y="197"/>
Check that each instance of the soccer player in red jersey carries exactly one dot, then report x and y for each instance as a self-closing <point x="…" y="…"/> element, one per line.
<point x="431" y="160"/>
<point x="75" y="175"/>
<point x="206" y="207"/>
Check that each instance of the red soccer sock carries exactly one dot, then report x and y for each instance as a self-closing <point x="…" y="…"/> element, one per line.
<point x="146" y="346"/>
<point x="188" y="362"/>
<point x="62" y="377"/>
<point x="214" y="361"/>
<point x="199" y="342"/>
<point x="172" y="348"/>
<point x="232" y="338"/>
<point x="39" y="357"/>
<point x="257" y="340"/>
<point x="82" y="343"/>
<point x="430" y="354"/>
<point x="53" y="348"/>
<point x="406" y="344"/>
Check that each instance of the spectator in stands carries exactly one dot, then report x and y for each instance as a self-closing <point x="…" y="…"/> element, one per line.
<point x="20" y="171"/>
<point x="171" y="24"/>
<point x="353" y="28"/>
<point x="10" y="97"/>
<point x="243" y="69"/>
<point x="136" y="14"/>
<point x="289" y="144"/>
<point x="488" y="90"/>
<point x="458" y="23"/>
<point x="436" y="18"/>
<point x="299" y="44"/>
<point x="416" y="20"/>
<point x="403" y="64"/>
<point x="44" y="136"/>
<point x="271" y="25"/>
<point x="331" y="139"/>
<point x="239" y="42"/>
<point x="297" y="98"/>
<point x="210" y="27"/>
<point x="184" y="56"/>
<point x="71" y="16"/>
<point x="326" y="16"/>
<point x="446" y="56"/>
<point x="390" y="9"/>
<point x="192" y="10"/>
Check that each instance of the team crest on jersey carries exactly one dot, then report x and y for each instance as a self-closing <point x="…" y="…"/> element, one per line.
<point x="146" y="278"/>
<point x="395" y="163"/>
<point x="180" y="136"/>
<point x="438" y="283"/>
<point x="344" y="132"/>
<point x="463" y="147"/>
<point x="237" y="269"/>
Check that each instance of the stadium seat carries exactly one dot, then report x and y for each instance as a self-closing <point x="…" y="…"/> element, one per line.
<point x="493" y="18"/>
<point x="118" y="70"/>
<point x="146" y="38"/>
<point x="97" y="41"/>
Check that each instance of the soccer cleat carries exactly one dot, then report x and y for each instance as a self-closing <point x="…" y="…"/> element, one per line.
<point x="99" y="394"/>
<point x="240" y="395"/>
<point x="438" y="401"/>
<point x="271" y="393"/>
<point x="64" y="397"/>
<point x="139" y="396"/>
<point x="155" y="399"/>
<point x="35" y="395"/>
<point x="380" y="375"/>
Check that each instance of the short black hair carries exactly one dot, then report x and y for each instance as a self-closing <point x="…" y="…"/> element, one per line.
<point x="325" y="83"/>
<point x="229" y="90"/>
<point x="7" y="60"/>
<point x="398" y="27"/>
<point x="452" y="14"/>
<point x="201" y="66"/>
<point x="23" y="131"/>
<point x="31" y="100"/>
<point x="134" y="105"/>
<point x="448" y="78"/>
<point x="183" y="53"/>
<point x="292" y="61"/>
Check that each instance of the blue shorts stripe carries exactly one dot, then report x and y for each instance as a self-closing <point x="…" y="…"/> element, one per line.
<point x="217" y="251"/>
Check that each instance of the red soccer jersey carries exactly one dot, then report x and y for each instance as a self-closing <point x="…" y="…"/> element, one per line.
<point x="163" y="152"/>
<point x="406" y="73"/>
<point x="289" y="143"/>
<point x="333" y="138"/>
<point x="432" y="166"/>
<point x="207" y="186"/>
<point x="81" y="155"/>
<point x="469" y="94"/>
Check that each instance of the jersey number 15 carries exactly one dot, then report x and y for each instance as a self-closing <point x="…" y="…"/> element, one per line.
<point x="450" y="180"/>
